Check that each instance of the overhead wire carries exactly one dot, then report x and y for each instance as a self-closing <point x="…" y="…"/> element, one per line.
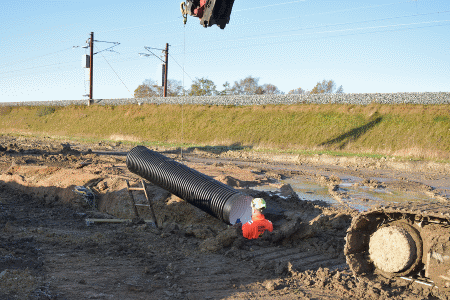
<point x="260" y="37"/>
<point x="37" y="67"/>
<point x="33" y="58"/>
<point x="270" y="5"/>
<point x="339" y="24"/>
<point x="139" y="26"/>
<point x="68" y="62"/>
<point x="331" y="12"/>
<point x="182" y="68"/>
<point x="362" y="7"/>
<point x="114" y="71"/>
<point x="316" y="38"/>
<point x="352" y="23"/>
<point x="343" y="30"/>
<point x="265" y="37"/>
<point x="177" y="20"/>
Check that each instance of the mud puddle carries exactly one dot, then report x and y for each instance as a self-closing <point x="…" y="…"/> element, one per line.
<point x="351" y="192"/>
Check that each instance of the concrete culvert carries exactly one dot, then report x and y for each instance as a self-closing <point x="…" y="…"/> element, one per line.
<point x="215" y="198"/>
<point x="392" y="249"/>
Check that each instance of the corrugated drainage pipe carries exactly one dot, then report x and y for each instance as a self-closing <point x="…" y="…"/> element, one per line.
<point x="211" y="196"/>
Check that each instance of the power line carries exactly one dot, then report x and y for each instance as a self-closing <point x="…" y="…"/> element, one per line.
<point x="66" y="62"/>
<point x="177" y="20"/>
<point x="222" y="48"/>
<point x="306" y="28"/>
<point x="352" y="23"/>
<point x="33" y="58"/>
<point x="340" y="30"/>
<point x="362" y="7"/>
<point x="184" y="72"/>
<point x="332" y="12"/>
<point x="325" y="26"/>
<point x="259" y="7"/>
<point x="360" y="28"/>
<point x="115" y="72"/>
<point x="30" y="68"/>
<point x="320" y="38"/>
<point x="140" y="26"/>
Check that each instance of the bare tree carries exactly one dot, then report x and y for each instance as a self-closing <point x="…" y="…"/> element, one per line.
<point x="326" y="86"/>
<point x="297" y="91"/>
<point x="247" y="86"/>
<point x="271" y="89"/>
<point x="340" y="90"/>
<point x="227" y="90"/>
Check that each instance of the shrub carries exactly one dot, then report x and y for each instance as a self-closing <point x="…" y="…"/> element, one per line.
<point x="4" y="110"/>
<point x="45" y="110"/>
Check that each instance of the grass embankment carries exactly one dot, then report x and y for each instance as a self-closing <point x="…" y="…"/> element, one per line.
<point x="416" y="131"/>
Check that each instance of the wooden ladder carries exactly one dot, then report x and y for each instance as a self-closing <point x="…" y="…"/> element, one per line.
<point x="149" y="205"/>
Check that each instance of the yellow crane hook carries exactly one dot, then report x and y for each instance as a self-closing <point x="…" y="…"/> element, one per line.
<point x="184" y="12"/>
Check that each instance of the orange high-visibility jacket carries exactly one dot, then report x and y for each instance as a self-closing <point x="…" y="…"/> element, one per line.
<point x="256" y="227"/>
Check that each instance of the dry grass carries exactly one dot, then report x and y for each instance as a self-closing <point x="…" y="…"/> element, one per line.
<point x="419" y="131"/>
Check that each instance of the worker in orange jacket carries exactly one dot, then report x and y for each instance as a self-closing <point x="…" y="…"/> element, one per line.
<point x="256" y="227"/>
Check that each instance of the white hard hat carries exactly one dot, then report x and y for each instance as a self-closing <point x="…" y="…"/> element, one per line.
<point x="258" y="203"/>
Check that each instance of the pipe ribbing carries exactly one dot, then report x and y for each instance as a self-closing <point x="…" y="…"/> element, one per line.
<point x="215" y="198"/>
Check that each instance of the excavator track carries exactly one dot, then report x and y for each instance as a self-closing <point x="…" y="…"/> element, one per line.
<point x="409" y="241"/>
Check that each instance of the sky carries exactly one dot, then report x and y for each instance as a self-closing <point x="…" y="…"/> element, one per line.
<point x="382" y="46"/>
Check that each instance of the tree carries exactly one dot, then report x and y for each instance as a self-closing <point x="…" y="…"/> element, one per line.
<point x="150" y="89"/>
<point x="174" y="88"/>
<point x="227" y="90"/>
<point x="340" y="90"/>
<point x="326" y="87"/>
<point x="271" y="89"/>
<point x="147" y="89"/>
<point x="297" y="91"/>
<point x="247" y="86"/>
<point x="250" y="86"/>
<point x="202" y="87"/>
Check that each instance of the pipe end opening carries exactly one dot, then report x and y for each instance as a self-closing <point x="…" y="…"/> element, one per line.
<point x="241" y="210"/>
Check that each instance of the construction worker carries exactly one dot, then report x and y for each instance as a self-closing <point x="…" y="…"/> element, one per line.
<point x="256" y="227"/>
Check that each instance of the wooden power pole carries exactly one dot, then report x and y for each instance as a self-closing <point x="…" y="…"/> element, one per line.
<point x="166" y="65"/>
<point x="91" y="66"/>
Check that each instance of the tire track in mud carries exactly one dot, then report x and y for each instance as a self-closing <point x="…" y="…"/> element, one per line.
<point x="295" y="260"/>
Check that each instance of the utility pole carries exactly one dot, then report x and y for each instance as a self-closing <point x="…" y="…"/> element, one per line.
<point x="166" y="65"/>
<point x="88" y="63"/>
<point x="91" y="66"/>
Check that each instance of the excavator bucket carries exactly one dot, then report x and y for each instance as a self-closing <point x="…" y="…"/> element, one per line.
<point x="217" y="12"/>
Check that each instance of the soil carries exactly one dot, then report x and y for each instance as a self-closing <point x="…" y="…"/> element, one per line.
<point x="49" y="251"/>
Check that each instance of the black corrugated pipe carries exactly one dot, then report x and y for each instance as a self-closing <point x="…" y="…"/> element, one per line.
<point x="211" y="196"/>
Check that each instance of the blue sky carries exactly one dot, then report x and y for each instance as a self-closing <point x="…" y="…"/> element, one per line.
<point x="366" y="46"/>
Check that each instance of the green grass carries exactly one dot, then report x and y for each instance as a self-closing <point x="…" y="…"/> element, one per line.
<point x="410" y="131"/>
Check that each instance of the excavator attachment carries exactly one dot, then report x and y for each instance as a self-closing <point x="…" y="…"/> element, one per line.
<point x="210" y="12"/>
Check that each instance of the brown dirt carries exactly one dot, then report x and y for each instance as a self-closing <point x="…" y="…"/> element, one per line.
<point x="47" y="251"/>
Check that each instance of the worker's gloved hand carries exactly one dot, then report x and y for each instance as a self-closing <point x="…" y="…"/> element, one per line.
<point x="238" y="225"/>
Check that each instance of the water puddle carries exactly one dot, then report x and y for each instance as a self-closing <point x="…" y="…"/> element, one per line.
<point x="351" y="193"/>
<point x="310" y="191"/>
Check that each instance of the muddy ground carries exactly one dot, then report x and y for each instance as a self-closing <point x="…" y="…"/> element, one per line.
<point x="49" y="251"/>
